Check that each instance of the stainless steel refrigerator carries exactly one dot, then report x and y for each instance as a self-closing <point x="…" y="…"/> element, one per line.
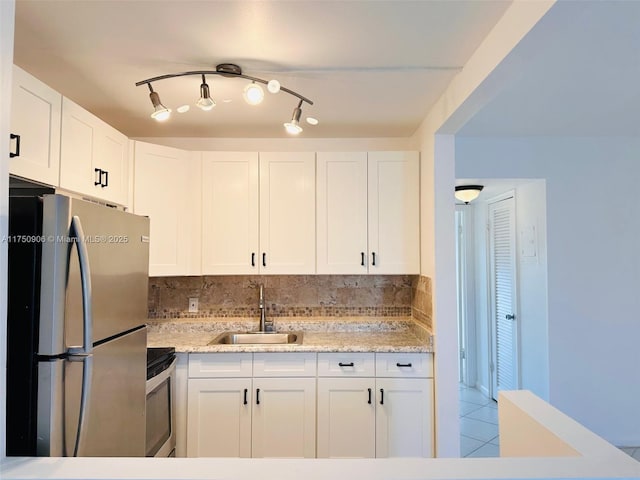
<point x="76" y="361"/>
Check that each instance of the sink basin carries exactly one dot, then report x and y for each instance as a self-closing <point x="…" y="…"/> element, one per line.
<point x="258" y="338"/>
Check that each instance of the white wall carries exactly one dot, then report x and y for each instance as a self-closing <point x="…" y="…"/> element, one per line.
<point x="467" y="92"/>
<point x="593" y="231"/>
<point x="532" y="312"/>
<point x="531" y="278"/>
<point x="6" y="63"/>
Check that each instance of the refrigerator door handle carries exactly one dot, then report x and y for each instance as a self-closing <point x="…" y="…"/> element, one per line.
<point x="85" y="279"/>
<point x="85" y="399"/>
<point x="83" y="354"/>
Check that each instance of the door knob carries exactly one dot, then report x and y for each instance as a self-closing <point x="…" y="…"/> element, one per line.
<point x="510" y="316"/>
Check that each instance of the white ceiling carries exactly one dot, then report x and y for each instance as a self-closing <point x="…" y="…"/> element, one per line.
<point x="372" y="68"/>
<point x="578" y="74"/>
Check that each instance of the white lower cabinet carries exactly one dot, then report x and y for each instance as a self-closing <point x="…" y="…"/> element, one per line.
<point x="404" y="417"/>
<point x="219" y="417"/>
<point x="360" y="415"/>
<point x="346" y="418"/>
<point x="251" y="417"/>
<point x="349" y="405"/>
<point x="284" y="418"/>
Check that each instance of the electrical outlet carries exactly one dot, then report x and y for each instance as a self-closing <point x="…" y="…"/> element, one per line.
<point x="193" y="304"/>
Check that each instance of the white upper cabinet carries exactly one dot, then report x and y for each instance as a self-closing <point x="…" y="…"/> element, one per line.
<point x="368" y="213"/>
<point x="167" y="190"/>
<point x="258" y="213"/>
<point x="287" y="213"/>
<point x="394" y="213"/>
<point x="342" y="212"/>
<point x="93" y="157"/>
<point x="229" y="213"/>
<point x="35" y="129"/>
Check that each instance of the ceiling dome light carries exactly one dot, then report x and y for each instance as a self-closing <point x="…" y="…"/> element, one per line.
<point x="160" y="112"/>
<point x="183" y="108"/>
<point x="293" y="127"/>
<point x="253" y="94"/>
<point x="468" y="193"/>
<point x="205" y="102"/>
<point x="273" y="86"/>
<point x="312" y="120"/>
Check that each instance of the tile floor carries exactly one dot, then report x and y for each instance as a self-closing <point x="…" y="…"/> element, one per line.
<point x="479" y="426"/>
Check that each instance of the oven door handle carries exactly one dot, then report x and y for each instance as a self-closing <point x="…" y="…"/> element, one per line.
<point x="160" y="378"/>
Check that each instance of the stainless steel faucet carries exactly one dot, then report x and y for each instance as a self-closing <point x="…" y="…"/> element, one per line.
<point x="265" y="325"/>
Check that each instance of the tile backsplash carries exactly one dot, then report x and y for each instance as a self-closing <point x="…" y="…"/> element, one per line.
<point x="421" y="306"/>
<point x="292" y="296"/>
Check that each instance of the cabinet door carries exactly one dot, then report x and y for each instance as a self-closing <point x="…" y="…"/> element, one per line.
<point x="35" y="117"/>
<point x="112" y="157"/>
<point x="167" y="186"/>
<point x="94" y="156"/>
<point x="284" y="417"/>
<point x="78" y="146"/>
<point x="346" y="418"/>
<point x="219" y="417"/>
<point x="287" y="213"/>
<point x="394" y="200"/>
<point x="342" y="212"/>
<point x="404" y="417"/>
<point x="230" y="213"/>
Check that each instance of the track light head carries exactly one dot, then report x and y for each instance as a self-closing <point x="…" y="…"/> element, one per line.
<point x="273" y="86"/>
<point x="293" y="127"/>
<point x="253" y="94"/>
<point x="205" y="102"/>
<point x="160" y="112"/>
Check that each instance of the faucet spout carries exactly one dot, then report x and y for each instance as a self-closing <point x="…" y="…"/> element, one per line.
<point x="265" y="325"/>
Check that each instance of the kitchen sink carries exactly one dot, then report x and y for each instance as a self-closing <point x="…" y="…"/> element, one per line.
<point x="257" y="338"/>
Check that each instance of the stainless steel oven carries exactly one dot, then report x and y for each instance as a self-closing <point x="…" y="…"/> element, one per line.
<point x="161" y="392"/>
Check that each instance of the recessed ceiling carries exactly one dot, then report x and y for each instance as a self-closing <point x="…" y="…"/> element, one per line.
<point x="578" y="75"/>
<point x="372" y="68"/>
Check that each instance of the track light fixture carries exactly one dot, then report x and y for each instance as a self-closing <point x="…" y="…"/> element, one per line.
<point x="468" y="193"/>
<point x="252" y="93"/>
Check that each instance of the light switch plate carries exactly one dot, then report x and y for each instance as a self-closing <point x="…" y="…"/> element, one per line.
<point x="193" y="304"/>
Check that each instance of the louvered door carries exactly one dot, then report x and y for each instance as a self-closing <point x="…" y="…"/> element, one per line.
<point x="503" y="295"/>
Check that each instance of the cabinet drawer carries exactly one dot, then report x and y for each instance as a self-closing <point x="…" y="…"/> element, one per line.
<point x="284" y="364"/>
<point x="346" y="364"/>
<point x="212" y="365"/>
<point x="404" y="365"/>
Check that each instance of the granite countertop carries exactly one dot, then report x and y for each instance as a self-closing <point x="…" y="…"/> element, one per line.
<point x="351" y="334"/>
